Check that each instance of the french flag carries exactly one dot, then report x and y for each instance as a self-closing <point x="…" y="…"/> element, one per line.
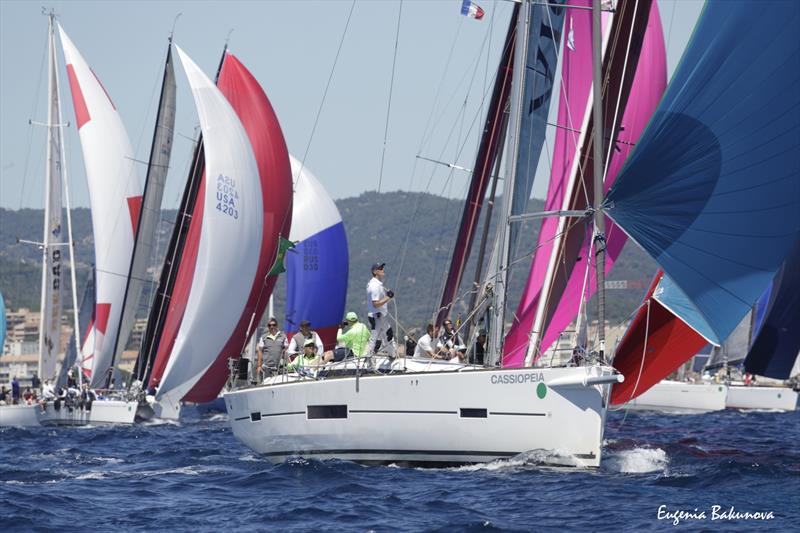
<point x="471" y="9"/>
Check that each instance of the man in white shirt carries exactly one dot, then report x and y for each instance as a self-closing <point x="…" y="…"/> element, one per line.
<point x="429" y="346"/>
<point x="299" y="340"/>
<point x="377" y="313"/>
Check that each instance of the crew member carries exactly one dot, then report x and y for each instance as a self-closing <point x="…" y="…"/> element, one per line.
<point x="299" y="339"/>
<point x="377" y="315"/>
<point x="429" y="346"/>
<point x="354" y="336"/>
<point x="271" y="350"/>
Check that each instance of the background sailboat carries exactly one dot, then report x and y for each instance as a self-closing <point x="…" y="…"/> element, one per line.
<point x="228" y="254"/>
<point x="317" y="267"/>
<point x="116" y="193"/>
<point x="252" y="107"/>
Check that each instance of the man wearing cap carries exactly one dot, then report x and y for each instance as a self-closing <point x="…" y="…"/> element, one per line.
<point x="309" y="357"/>
<point x="271" y="349"/>
<point x="354" y="335"/>
<point x="377" y="315"/>
<point x="299" y="339"/>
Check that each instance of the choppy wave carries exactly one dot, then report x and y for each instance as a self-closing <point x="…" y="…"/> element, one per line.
<point x="196" y="476"/>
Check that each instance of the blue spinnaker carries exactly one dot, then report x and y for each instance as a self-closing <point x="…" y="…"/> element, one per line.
<point x="776" y="346"/>
<point x="712" y="190"/>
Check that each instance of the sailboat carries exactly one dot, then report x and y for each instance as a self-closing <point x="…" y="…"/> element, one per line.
<point x="317" y="267"/>
<point x="772" y="347"/>
<point x="430" y="411"/>
<point x="684" y="182"/>
<point x="670" y="341"/>
<point x="655" y="344"/>
<point x="54" y="247"/>
<point x="243" y="206"/>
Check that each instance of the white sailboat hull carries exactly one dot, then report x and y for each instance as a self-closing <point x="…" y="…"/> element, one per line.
<point x="102" y="412"/>
<point x="467" y="416"/>
<point x="757" y="397"/>
<point x="679" y="397"/>
<point x="18" y="415"/>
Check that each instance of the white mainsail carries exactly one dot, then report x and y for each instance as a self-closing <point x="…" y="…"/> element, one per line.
<point x="52" y="242"/>
<point x="229" y="240"/>
<point x="115" y="191"/>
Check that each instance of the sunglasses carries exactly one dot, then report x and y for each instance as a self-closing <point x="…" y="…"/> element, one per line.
<point x="273" y="325"/>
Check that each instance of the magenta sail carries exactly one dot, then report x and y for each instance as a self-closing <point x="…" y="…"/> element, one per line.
<point x="648" y="86"/>
<point x="576" y="84"/>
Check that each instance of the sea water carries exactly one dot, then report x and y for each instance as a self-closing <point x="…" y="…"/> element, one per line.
<point x="725" y="471"/>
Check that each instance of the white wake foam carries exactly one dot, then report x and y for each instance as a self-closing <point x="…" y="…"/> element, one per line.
<point x="637" y="461"/>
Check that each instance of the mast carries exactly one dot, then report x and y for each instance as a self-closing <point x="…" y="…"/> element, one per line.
<point x="599" y="168"/>
<point x="491" y="140"/>
<point x="502" y="251"/>
<point x="50" y="323"/>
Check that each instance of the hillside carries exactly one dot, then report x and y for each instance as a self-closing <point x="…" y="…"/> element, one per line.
<point x="412" y="232"/>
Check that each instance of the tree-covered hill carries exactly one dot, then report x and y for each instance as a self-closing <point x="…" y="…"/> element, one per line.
<point x="413" y="233"/>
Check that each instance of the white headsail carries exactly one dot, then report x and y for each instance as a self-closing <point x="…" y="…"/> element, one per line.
<point x="115" y="191"/>
<point x="52" y="251"/>
<point x="229" y="240"/>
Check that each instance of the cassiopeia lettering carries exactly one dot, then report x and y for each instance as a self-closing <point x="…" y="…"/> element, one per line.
<point x="512" y="379"/>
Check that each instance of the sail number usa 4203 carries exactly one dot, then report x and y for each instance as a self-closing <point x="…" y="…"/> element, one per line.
<point x="227" y="196"/>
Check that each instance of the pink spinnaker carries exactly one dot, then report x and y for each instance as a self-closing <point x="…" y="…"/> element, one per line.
<point x="649" y="83"/>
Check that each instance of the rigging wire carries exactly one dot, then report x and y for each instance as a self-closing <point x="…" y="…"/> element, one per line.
<point x="413" y="219"/>
<point x="324" y="95"/>
<point x="391" y="89"/>
<point x="34" y="110"/>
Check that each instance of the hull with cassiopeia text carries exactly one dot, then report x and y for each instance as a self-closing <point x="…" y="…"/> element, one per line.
<point x="429" y="417"/>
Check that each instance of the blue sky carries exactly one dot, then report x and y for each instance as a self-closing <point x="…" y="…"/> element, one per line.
<point x="290" y="47"/>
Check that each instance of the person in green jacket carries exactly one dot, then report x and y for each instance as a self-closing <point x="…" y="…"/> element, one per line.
<point x="309" y="359"/>
<point x="356" y="335"/>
